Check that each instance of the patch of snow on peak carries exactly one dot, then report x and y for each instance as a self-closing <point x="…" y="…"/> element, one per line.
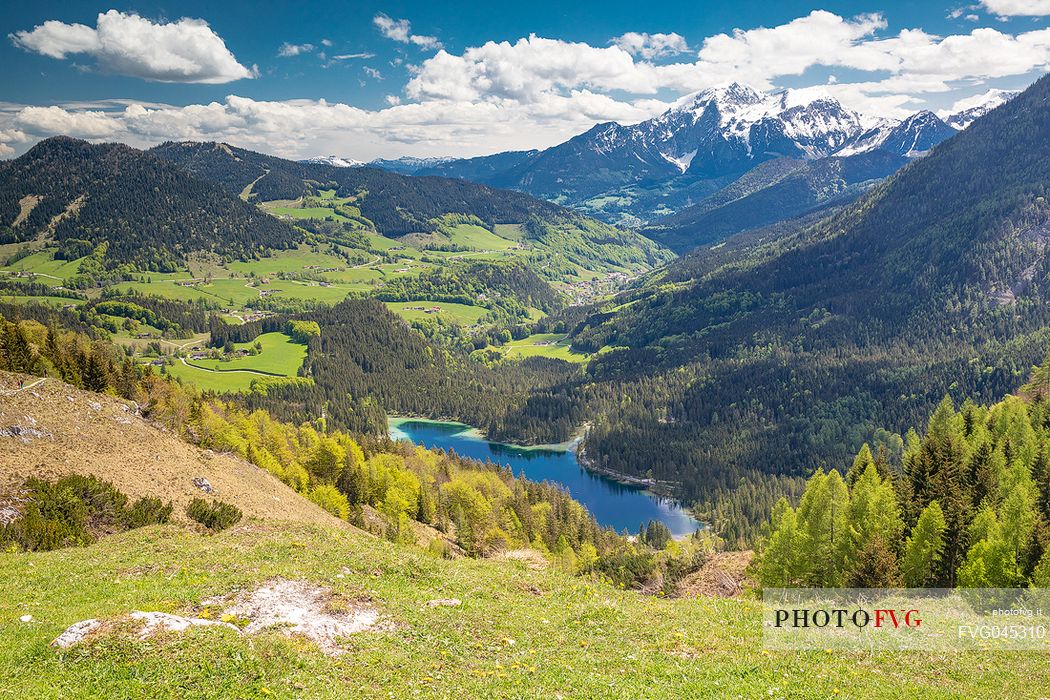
<point x="335" y="161"/>
<point x="964" y="112"/>
<point x="683" y="161"/>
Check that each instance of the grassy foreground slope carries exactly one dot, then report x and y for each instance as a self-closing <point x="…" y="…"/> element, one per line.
<point x="518" y="633"/>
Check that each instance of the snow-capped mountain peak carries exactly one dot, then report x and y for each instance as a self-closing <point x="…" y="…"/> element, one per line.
<point x="796" y="123"/>
<point x="728" y="97"/>
<point x="334" y="161"/>
<point x="964" y="112"/>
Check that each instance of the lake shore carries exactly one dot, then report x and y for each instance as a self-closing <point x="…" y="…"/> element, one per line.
<point x="570" y="445"/>
<point x="621" y="501"/>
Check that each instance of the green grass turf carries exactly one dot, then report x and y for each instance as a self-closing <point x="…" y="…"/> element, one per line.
<point x="513" y="232"/>
<point x="552" y="345"/>
<point x="50" y="301"/>
<point x="519" y="633"/>
<point x="459" y="313"/>
<point x="477" y="237"/>
<point x="168" y="290"/>
<point x="279" y="356"/>
<point x="221" y="382"/>
<point x="287" y="261"/>
<point x="306" y="213"/>
<point x="313" y="291"/>
<point x="43" y="263"/>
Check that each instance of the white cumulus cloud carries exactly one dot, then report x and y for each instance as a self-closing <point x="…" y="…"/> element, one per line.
<point x="650" y="46"/>
<point x="184" y="51"/>
<point x="401" y="30"/>
<point x="537" y="91"/>
<point x="288" y="49"/>
<point x="1015" y="8"/>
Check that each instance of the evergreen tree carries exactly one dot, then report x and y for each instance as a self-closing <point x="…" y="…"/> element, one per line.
<point x="823" y="515"/>
<point x="990" y="562"/>
<point x="95" y="377"/>
<point x="15" y="351"/>
<point x="784" y="562"/>
<point x="876" y="567"/>
<point x="923" y="550"/>
<point x="874" y="512"/>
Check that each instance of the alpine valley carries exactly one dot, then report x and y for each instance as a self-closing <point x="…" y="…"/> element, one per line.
<point x="294" y="404"/>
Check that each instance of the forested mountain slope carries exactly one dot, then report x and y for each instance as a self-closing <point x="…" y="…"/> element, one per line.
<point x="367" y="362"/>
<point x="771" y="192"/>
<point x="794" y="351"/>
<point x="147" y="211"/>
<point x="395" y="205"/>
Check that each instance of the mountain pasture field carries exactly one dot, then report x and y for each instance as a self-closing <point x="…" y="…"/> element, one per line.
<point x="280" y="357"/>
<point x="461" y="314"/>
<point x="552" y="345"/>
<point x="566" y="636"/>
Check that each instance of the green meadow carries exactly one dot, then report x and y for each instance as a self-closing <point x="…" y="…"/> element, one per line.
<point x="50" y="301"/>
<point x="220" y="382"/>
<point x="553" y="345"/>
<point x="477" y="237"/>
<point x="517" y="632"/>
<point x="462" y="314"/>
<point x="280" y="356"/>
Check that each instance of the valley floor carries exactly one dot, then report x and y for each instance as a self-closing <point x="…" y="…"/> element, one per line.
<point x="519" y="632"/>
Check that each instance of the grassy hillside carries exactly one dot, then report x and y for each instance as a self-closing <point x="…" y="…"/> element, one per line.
<point x="519" y="632"/>
<point x="367" y="199"/>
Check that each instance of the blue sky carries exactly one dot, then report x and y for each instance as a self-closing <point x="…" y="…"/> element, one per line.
<point x="393" y="78"/>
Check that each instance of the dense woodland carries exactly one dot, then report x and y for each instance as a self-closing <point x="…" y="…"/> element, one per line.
<point x="367" y="361"/>
<point x="148" y="213"/>
<point x="773" y="191"/>
<point x="509" y="288"/>
<point x="967" y="505"/>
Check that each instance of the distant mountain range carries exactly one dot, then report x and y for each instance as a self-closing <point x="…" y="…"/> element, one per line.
<point x="152" y="209"/>
<point x="397" y="205"/>
<point x="664" y="166"/>
<point x="406" y="165"/>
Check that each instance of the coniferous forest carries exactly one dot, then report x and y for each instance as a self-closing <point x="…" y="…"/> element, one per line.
<point x="968" y="504"/>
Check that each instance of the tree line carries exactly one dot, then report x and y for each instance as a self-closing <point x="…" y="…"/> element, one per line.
<point x="967" y="505"/>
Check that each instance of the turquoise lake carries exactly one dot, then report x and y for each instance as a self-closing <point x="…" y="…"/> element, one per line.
<point x="613" y="504"/>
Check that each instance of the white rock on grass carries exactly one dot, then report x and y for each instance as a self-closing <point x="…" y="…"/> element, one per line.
<point x="154" y="622"/>
<point x="295" y="607"/>
<point x="76" y="633"/>
<point x="300" y="608"/>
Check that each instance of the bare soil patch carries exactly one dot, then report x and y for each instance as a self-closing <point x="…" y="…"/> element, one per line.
<point x="298" y="608"/>
<point x="53" y="430"/>
<point x="724" y="575"/>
